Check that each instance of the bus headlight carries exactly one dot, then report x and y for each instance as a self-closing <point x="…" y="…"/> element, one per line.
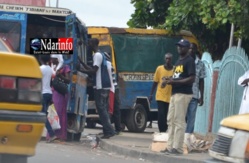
<point x="239" y="144"/>
<point x="247" y="151"/>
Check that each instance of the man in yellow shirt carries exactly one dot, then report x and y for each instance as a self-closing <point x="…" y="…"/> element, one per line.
<point x="163" y="92"/>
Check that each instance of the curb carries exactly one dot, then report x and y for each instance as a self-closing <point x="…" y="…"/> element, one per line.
<point x="150" y="156"/>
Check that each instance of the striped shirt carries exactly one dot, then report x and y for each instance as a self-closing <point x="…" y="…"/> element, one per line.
<point x="114" y="78"/>
<point x="200" y="74"/>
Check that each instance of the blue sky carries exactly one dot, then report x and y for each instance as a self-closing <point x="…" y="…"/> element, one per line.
<point x="111" y="13"/>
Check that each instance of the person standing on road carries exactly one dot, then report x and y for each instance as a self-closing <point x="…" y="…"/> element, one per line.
<point x="198" y="88"/>
<point x="163" y="92"/>
<point x="182" y="81"/>
<point x="47" y="92"/>
<point x="60" y="100"/>
<point x="116" y="115"/>
<point x="244" y="81"/>
<point x="101" y="86"/>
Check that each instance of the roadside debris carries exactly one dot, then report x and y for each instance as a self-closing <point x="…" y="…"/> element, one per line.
<point x="94" y="141"/>
<point x="191" y="143"/>
<point x="141" y="159"/>
<point x="195" y="144"/>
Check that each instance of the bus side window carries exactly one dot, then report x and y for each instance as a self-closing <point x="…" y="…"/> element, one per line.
<point x="10" y="33"/>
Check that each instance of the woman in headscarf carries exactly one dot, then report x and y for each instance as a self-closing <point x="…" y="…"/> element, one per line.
<point x="60" y="100"/>
<point x="60" y="62"/>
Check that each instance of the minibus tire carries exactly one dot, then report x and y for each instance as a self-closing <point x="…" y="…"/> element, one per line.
<point x="136" y="119"/>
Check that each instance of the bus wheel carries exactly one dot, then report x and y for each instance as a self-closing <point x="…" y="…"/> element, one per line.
<point x="137" y="119"/>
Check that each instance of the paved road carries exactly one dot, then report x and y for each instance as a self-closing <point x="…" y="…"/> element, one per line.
<point x="75" y="153"/>
<point x="81" y="152"/>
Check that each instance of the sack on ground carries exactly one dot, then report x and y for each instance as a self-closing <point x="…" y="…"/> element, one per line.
<point x="53" y="118"/>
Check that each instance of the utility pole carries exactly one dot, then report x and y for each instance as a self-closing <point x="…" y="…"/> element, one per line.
<point x="231" y="36"/>
<point x="239" y="42"/>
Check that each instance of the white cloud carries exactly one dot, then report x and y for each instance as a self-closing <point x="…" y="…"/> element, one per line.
<point x="113" y="13"/>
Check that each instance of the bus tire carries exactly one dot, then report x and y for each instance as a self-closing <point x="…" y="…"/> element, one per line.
<point x="136" y="119"/>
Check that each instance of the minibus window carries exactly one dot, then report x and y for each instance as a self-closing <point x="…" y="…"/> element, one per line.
<point x="10" y="33"/>
<point x="3" y="47"/>
<point x="69" y="34"/>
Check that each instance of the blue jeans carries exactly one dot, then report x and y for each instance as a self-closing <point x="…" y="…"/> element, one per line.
<point x="190" y="117"/>
<point x="46" y="101"/>
<point x="102" y="104"/>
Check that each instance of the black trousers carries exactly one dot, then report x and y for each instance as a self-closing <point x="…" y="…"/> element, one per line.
<point x="116" y="111"/>
<point x="163" y="108"/>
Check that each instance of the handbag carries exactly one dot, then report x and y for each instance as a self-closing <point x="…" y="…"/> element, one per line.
<point x="53" y="118"/>
<point x="60" y="85"/>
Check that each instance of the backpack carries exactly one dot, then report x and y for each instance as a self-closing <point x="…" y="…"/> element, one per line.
<point x="106" y="83"/>
<point x="105" y="78"/>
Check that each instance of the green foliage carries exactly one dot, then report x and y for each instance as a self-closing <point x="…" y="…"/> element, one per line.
<point x="209" y="20"/>
<point x="148" y="13"/>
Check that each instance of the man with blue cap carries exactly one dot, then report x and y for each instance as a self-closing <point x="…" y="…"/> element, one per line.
<point x="182" y="81"/>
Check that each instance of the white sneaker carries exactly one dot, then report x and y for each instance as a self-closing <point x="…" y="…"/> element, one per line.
<point x="187" y="141"/>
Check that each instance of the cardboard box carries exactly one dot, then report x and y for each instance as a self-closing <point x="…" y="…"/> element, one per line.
<point x="158" y="146"/>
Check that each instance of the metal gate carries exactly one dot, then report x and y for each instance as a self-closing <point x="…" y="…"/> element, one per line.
<point x="228" y="94"/>
<point x="202" y="113"/>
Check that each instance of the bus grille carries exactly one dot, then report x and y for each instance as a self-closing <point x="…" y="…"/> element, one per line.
<point x="221" y="145"/>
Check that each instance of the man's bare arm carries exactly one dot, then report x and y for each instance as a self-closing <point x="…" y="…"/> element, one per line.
<point x="188" y="80"/>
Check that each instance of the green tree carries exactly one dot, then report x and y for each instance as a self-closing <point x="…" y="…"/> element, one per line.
<point x="148" y="13"/>
<point x="209" y="20"/>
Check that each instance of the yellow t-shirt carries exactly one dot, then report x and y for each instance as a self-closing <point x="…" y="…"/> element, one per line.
<point x="162" y="94"/>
